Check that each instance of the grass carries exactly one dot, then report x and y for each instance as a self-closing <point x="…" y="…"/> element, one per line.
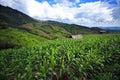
<point x="11" y="38"/>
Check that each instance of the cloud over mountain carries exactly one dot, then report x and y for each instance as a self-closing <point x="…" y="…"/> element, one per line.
<point x="90" y="13"/>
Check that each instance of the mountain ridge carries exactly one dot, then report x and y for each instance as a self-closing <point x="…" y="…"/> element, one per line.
<point x="12" y="17"/>
<point x="19" y="23"/>
<point x="15" y="18"/>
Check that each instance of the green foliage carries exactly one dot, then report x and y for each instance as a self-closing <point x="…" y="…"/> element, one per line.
<point x="62" y="59"/>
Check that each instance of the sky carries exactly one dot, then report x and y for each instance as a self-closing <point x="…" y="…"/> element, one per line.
<point x="91" y="13"/>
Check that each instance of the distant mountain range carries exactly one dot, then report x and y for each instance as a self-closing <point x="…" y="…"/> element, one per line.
<point x="111" y="28"/>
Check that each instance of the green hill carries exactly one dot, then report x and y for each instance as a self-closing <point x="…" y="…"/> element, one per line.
<point x="11" y="17"/>
<point x="15" y="38"/>
<point x="16" y="26"/>
<point x="73" y="28"/>
<point x="48" y="31"/>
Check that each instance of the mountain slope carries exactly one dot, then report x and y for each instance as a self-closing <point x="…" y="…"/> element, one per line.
<point x="73" y="28"/>
<point x="14" y="23"/>
<point x="14" y="18"/>
<point x="11" y="17"/>
<point x="48" y="31"/>
<point x="15" y="38"/>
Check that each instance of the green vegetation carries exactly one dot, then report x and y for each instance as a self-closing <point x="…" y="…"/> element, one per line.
<point x="73" y="28"/>
<point x="15" y="38"/>
<point x="45" y="30"/>
<point x="95" y="57"/>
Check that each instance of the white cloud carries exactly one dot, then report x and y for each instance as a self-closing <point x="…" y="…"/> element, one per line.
<point x="20" y="5"/>
<point x="77" y="1"/>
<point x="64" y="2"/>
<point x="89" y="14"/>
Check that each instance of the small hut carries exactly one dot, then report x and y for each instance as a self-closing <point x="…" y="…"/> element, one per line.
<point x="103" y="32"/>
<point x="76" y="36"/>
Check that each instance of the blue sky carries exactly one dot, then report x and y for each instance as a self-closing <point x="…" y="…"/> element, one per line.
<point x="81" y="1"/>
<point x="91" y="13"/>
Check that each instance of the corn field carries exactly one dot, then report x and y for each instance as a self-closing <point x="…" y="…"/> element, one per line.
<point x="62" y="59"/>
